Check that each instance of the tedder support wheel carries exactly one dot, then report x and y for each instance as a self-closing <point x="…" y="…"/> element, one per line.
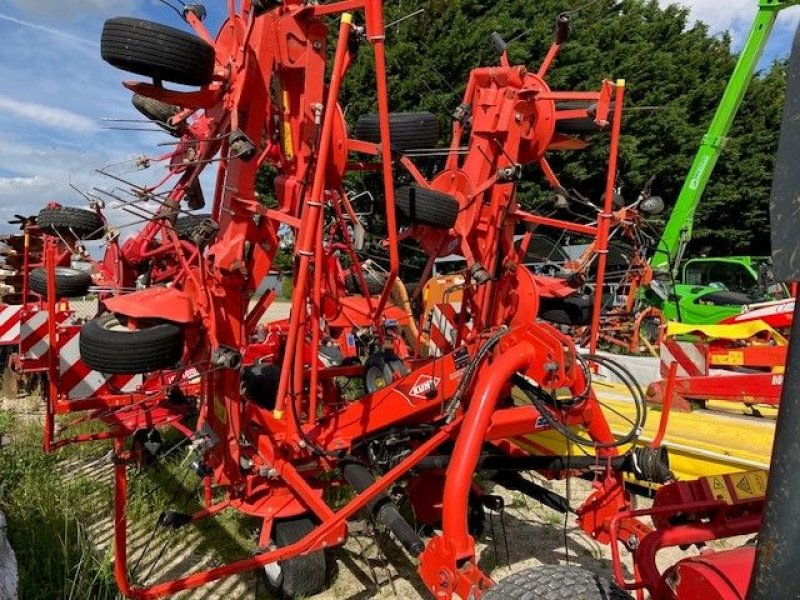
<point x="559" y="582"/>
<point x="158" y="112"/>
<point x="68" y="221"/>
<point x="375" y="284"/>
<point x="427" y="207"/>
<point x="407" y="130"/>
<point x="186" y="224"/>
<point x="109" y="346"/>
<point x="299" y="576"/>
<point x="575" y="310"/>
<point x="70" y="283"/>
<point x="158" y="51"/>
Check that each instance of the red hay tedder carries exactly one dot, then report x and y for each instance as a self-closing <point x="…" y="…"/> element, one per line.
<point x="274" y="428"/>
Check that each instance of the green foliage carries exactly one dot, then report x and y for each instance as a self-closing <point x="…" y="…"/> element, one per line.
<point x="675" y="73"/>
<point x="45" y="515"/>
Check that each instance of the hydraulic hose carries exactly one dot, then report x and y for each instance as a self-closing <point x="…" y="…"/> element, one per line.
<point x="383" y="508"/>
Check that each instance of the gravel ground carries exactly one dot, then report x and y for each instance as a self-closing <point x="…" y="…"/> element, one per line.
<point x="371" y="564"/>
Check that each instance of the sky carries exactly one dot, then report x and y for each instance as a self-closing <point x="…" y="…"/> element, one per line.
<point x="55" y="90"/>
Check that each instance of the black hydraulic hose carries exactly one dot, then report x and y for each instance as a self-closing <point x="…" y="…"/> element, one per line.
<point x="383" y="508"/>
<point x="516" y="482"/>
<point x="546" y="404"/>
<point x="645" y="463"/>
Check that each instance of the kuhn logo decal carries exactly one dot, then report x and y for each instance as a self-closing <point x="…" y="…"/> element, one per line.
<point x="424" y="387"/>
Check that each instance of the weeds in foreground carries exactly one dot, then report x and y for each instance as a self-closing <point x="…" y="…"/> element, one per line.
<point x="45" y="516"/>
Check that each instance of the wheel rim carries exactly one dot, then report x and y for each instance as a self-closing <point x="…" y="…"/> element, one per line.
<point x="274" y="573"/>
<point x="114" y="324"/>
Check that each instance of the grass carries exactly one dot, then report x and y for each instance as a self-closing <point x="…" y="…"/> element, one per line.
<point x="45" y="517"/>
<point x="48" y="509"/>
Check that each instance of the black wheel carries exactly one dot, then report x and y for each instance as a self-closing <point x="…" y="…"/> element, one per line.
<point x="575" y="310"/>
<point x="407" y="130"/>
<point x="427" y="207"/>
<point x="158" y="112"/>
<point x="109" y="346"/>
<point x="70" y="283"/>
<point x="146" y="447"/>
<point x="158" y="51"/>
<point x="186" y="224"/>
<point x="299" y="576"/>
<point x="375" y="283"/>
<point x="377" y="373"/>
<point x="585" y="125"/>
<point x="725" y="298"/>
<point x="559" y="582"/>
<point x="68" y="221"/>
<point x="260" y="384"/>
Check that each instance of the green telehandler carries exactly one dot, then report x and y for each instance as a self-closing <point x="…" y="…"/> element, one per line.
<point x="708" y="289"/>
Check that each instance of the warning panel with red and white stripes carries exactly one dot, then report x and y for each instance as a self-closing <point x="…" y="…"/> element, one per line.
<point x="34" y="341"/>
<point x="443" y="328"/>
<point x="692" y="358"/>
<point x="10" y="315"/>
<point x="76" y="380"/>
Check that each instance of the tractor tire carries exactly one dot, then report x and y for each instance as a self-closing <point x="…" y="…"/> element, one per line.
<point x="574" y="311"/>
<point x="158" y="112"/>
<point x="299" y="576"/>
<point x="560" y="582"/>
<point x="726" y="298"/>
<point x="83" y="224"/>
<point x="375" y="284"/>
<point x="186" y="224"/>
<point x="427" y="207"/>
<point x="407" y="130"/>
<point x="108" y="346"/>
<point x="70" y="283"/>
<point x="158" y="51"/>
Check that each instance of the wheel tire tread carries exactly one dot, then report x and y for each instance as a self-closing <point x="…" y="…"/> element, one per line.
<point x="158" y="51"/>
<point x="150" y="349"/>
<point x="556" y="582"/>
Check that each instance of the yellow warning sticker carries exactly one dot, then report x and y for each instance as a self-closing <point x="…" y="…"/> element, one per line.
<point x="732" y="358"/>
<point x="719" y="489"/>
<point x="750" y="485"/>
<point x="220" y="412"/>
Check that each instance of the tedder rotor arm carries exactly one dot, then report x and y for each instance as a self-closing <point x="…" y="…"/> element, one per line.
<point x="678" y="231"/>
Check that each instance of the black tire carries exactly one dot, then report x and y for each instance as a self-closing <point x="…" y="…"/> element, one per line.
<point x="260" y="384"/>
<point x="377" y="373"/>
<point x="106" y="345"/>
<point x="158" y="112"/>
<point x="427" y="207"/>
<point x="299" y="576"/>
<point x="70" y="283"/>
<point x="158" y="51"/>
<point x="186" y="224"/>
<point x="67" y="221"/>
<point x="725" y="298"/>
<point x="585" y="125"/>
<point x="559" y="582"/>
<point x="407" y="130"/>
<point x="375" y="284"/>
<point x="575" y="310"/>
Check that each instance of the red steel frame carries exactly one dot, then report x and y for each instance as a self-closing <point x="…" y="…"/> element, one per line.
<point x="513" y="124"/>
